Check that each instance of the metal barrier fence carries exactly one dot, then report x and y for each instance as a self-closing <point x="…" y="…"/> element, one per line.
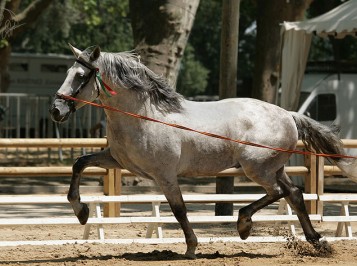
<point x="26" y="116"/>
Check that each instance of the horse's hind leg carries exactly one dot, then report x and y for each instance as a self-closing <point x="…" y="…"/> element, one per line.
<point x="173" y="195"/>
<point x="283" y="187"/>
<point x="244" y="223"/>
<point x="100" y="159"/>
<point x="295" y="199"/>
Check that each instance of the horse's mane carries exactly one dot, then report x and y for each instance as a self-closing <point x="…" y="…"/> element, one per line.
<point x="125" y="70"/>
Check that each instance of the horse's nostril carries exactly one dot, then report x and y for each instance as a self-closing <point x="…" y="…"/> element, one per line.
<point x="59" y="111"/>
<point x="56" y="114"/>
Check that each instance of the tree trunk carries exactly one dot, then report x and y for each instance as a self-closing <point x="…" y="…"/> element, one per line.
<point x="228" y="83"/>
<point x="18" y="23"/>
<point x="4" y="73"/>
<point x="161" y="29"/>
<point x="268" y="53"/>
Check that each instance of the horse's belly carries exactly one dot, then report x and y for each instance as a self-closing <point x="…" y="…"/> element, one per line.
<point x="206" y="164"/>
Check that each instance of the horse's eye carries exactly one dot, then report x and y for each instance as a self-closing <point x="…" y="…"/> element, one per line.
<point x="80" y="76"/>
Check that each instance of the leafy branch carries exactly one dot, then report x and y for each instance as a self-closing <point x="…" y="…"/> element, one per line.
<point x="12" y="24"/>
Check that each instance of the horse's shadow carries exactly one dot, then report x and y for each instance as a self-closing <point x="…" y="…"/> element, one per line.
<point x="156" y="255"/>
<point x="167" y="255"/>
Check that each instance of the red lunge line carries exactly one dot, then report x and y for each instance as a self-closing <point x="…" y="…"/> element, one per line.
<point x="206" y="133"/>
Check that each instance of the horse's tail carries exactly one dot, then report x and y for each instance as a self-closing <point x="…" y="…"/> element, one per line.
<point x="323" y="139"/>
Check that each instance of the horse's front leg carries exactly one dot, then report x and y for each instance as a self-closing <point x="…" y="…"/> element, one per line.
<point x="101" y="159"/>
<point x="173" y="195"/>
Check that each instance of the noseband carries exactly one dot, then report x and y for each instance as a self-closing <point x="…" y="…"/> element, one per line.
<point x="93" y="72"/>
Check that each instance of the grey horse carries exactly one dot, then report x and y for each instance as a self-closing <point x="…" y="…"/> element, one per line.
<point x="163" y="153"/>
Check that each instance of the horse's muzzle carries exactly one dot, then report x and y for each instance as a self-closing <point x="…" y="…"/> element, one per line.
<point x="60" y="110"/>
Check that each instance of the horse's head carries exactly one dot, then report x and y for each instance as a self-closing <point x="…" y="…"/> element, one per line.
<point x="80" y="83"/>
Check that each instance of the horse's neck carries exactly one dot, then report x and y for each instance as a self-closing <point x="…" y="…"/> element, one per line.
<point x="128" y="102"/>
<point x="124" y="99"/>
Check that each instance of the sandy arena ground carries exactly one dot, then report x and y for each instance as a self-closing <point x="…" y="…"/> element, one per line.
<point x="208" y="254"/>
<point x="344" y="253"/>
<point x="291" y="252"/>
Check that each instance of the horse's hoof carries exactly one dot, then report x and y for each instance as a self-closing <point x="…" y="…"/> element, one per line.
<point x="83" y="215"/>
<point x="322" y="246"/>
<point x="190" y="255"/>
<point x="191" y="249"/>
<point x="244" y="227"/>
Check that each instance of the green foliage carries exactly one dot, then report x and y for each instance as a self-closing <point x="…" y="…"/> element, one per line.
<point x="3" y="43"/>
<point x="88" y="22"/>
<point x="192" y="79"/>
<point x="81" y="23"/>
<point x="107" y="23"/>
<point x="247" y="39"/>
<point x="348" y="48"/>
<point x="322" y="49"/>
<point x="206" y="38"/>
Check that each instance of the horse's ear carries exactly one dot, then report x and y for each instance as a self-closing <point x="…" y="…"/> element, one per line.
<point x="95" y="53"/>
<point x="75" y="51"/>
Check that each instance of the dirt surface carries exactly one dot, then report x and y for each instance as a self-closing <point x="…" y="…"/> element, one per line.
<point x="207" y="254"/>
<point x="291" y="252"/>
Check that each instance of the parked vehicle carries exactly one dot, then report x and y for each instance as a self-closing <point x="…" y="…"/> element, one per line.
<point x="331" y="99"/>
<point x="34" y="79"/>
<point x="38" y="74"/>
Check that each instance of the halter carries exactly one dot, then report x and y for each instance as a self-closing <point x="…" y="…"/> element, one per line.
<point x="93" y="72"/>
<point x="97" y="78"/>
<point x="105" y="87"/>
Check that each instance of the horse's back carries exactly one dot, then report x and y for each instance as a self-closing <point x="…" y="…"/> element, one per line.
<point x="245" y="118"/>
<point x="241" y="119"/>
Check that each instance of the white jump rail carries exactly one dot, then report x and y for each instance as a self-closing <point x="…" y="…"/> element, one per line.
<point x="154" y="222"/>
<point x="343" y="219"/>
<point x="53" y="143"/>
<point x="112" y="182"/>
<point x="284" y="212"/>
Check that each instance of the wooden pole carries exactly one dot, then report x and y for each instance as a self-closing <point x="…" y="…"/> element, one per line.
<point x="320" y="182"/>
<point x="21" y="171"/>
<point x="228" y="82"/>
<point x="310" y="182"/>
<point x="106" y="193"/>
<point x="229" y="49"/>
<point x="117" y="189"/>
<point x="112" y="187"/>
<point x="53" y="143"/>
